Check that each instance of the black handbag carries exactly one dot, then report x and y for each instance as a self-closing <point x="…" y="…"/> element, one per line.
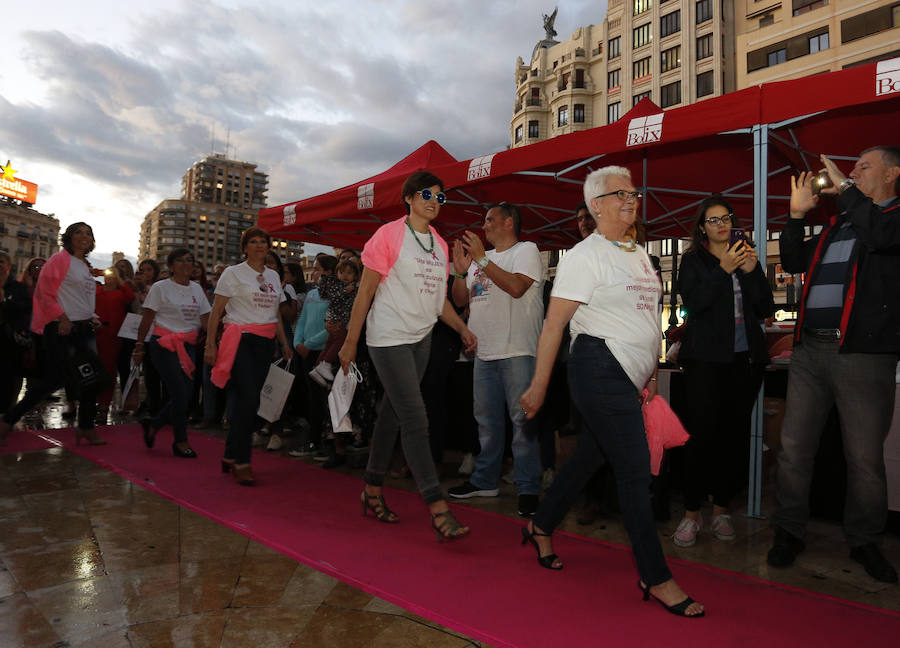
<point x="86" y="373"/>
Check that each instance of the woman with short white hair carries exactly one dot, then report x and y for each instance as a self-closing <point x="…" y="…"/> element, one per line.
<point x="608" y="292"/>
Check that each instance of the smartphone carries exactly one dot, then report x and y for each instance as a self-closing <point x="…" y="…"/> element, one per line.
<point x="821" y="181"/>
<point x="736" y="234"/>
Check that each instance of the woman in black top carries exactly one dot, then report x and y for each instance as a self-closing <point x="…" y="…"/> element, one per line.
<point x="723" y="355"/>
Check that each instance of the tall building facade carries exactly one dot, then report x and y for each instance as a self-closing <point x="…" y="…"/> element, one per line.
<point x="26" y="233"/>
<point x="220" y="198"/>
<point x="787" y="39"/>
<point x="675" y="52"/>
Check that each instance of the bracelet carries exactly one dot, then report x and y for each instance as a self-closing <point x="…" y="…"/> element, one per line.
<point x="458" y="275"/>
<point x="653" y="379"/>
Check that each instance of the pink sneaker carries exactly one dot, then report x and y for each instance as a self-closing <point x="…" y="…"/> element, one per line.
<point x="722" y="527"/>
<point x="686" y="533"/>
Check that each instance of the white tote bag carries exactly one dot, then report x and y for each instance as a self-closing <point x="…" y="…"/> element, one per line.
<point x="275" y="391"/>
<point x="341" y="396"/>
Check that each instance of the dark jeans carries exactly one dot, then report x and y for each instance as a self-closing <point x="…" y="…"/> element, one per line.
<point x="863" y="387"/>
<point x="315" y="404"/>
<point x="178" y="388"/>
<point x="55" y="353"/>
<point x="614" y="424"/>
<point x="248" y="375"/>
<point x="721" y="397"/>
<point x="401" y="369"/>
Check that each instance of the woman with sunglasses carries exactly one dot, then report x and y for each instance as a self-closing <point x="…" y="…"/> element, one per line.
<point x="607" y="291"/>
<point x="178" y="310"/>
<point x="723" y="354"/>
<point x="404" y="281"/>
<point x="248" y="296"/>
<point x="63" y="313"/>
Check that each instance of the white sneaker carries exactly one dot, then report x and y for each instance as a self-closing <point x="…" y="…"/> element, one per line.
<point x="274" y="443"/>
<point x="317" y="376"/>
<point x="467" y="467"/>
<point x="257" y="440"/>
<point x="686" y="533"/>
<point x="326" y="371"/>
<point x="722" y="527"/>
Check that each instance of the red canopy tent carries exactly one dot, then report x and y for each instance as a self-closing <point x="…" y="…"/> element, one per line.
<point x="346" y="217"/>
<point x="738" y="144"/>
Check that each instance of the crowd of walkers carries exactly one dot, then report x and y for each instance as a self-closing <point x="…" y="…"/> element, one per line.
<point x="205" y="348"/>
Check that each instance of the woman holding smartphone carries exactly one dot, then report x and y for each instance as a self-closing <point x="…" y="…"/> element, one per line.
<point x="723" y="354"/>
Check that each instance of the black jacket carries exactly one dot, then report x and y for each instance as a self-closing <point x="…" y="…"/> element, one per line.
<point x="870" y="322"/>
<point x="708" y="297"/>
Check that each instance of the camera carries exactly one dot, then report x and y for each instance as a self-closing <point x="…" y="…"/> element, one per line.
<point x="821" y="181"/>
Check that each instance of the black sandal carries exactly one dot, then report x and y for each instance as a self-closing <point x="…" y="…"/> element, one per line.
<point x="449" y="529"/>
<point x="679" y="609"/>
<point x="379" y="508"/>
<point x="149" y="432"/>
<point x="544" y="561"/>
<point x="184" y="454"/>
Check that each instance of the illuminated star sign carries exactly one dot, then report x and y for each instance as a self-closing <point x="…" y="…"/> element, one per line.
<point x="8" y="172"/>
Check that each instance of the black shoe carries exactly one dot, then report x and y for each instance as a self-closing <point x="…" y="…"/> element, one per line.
<point x="528" y="505"/>
<point x="468" y="489"/>
<point x="334" y="461"/>
<point x="149" y="432"/>
<point x="184" y="454"/>
<point x="877" y="566"/>
<point x="785" y="549"/>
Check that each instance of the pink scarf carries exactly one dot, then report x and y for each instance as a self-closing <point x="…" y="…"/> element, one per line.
<point x="175" y="342"/>
<point x="228" y="347"/>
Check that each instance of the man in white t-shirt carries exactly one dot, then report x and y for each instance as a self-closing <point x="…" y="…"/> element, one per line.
<point x="503" y="290"/>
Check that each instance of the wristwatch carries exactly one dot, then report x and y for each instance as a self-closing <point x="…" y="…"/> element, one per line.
<point x="483" y="262"/>
<point x="846" y="184"/>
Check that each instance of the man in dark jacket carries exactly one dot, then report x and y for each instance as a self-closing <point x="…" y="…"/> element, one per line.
<point x="846" y="347"/>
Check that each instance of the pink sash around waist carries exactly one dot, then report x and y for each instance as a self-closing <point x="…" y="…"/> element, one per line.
<point x="228" y="346"/>
<point x="173" y="341"/>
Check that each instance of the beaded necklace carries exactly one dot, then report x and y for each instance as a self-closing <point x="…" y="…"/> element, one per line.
<point x="629" y="246"/>
<point x="421" y="245"/>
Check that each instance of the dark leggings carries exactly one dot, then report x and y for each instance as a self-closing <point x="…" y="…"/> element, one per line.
<point x="248" y="375"/>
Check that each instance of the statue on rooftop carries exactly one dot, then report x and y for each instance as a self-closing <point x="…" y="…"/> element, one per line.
<point x="548" y="24"/>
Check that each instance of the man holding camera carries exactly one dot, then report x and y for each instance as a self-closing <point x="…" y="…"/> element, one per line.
<point x="846" y="346"/>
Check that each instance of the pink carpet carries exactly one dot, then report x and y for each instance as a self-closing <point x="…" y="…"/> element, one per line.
<point x="21" y="441"/>
<point x="486" y="585"/>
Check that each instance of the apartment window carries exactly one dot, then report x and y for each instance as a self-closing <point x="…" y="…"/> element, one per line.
<point x="578" y="113"/>
<point x="641" y="95"/>
<point x="640" y="68"/>
<point x="615" y="47"/>
<point x="670" y="59"/>
<point x="579" y="79"/>
<point x="765" y="21"/>
<point x="613" y="79"/>
<point x="670" y="24"/>
<point x="563" y="116"/>
<point x="640" y="36"/>
<point x="640" y="6"/>
<point x="818" y="43"/>
<point x="776" y="57"/>
<point x="613" y="112"/>
<point x="519" y="133"/>
<point x="705" y="83"/>
<point x="670" y="94"/>
<point x="704" y="11"/>
<point x="704" y="47"/>
<point x="802" y="6"/>
<point x="533" y="129"/>
<point x="870" y="22"/>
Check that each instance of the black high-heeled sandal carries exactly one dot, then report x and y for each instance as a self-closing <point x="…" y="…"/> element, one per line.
<point x="449" y="529"/>
<point x="149" y="432"/>
<point x="185" y="454"/>
<point x="379" y="508"/>
<point x="679" y="609"/>
<point x="227" y="465"/>
<point x="544" y="561"/>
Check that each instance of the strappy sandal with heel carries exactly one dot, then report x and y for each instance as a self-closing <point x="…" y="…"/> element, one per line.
<point x="379" y="508"/>
<point x="449" y="529"/>
<point x="679" y="609"/>
<point x="544" y="561"/>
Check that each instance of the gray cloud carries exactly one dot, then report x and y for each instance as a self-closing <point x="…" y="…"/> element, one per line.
<point x="318" y="96"/>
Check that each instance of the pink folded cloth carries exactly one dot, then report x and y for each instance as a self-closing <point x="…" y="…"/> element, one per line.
<point x="228" y="346"/>
<point x="173" y="341"/>
<point x="664" y="430"/>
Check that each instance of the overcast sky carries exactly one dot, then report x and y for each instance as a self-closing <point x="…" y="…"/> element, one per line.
<point x="105" y="104"/>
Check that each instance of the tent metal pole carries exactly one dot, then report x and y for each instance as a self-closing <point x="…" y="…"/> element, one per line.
<point x="760" y="193"/>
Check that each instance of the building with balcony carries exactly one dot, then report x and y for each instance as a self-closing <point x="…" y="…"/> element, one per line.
<point x="220" y="199"/>
<point x="675" y="52"/>
<point x="26" y="233"/>
<point x="787" y="39"/>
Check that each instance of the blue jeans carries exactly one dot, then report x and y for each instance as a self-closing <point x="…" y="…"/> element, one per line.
<point x="178" y="387"/>
<point x="862" y="386"/>
<point x="613" y="424"/>
<point x="498" y="385"/>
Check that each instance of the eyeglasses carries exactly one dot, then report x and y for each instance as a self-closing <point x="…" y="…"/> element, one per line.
<point x="623" y="195"/>
<point x="427" y="194"/>
<point x="721" y="220"/>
